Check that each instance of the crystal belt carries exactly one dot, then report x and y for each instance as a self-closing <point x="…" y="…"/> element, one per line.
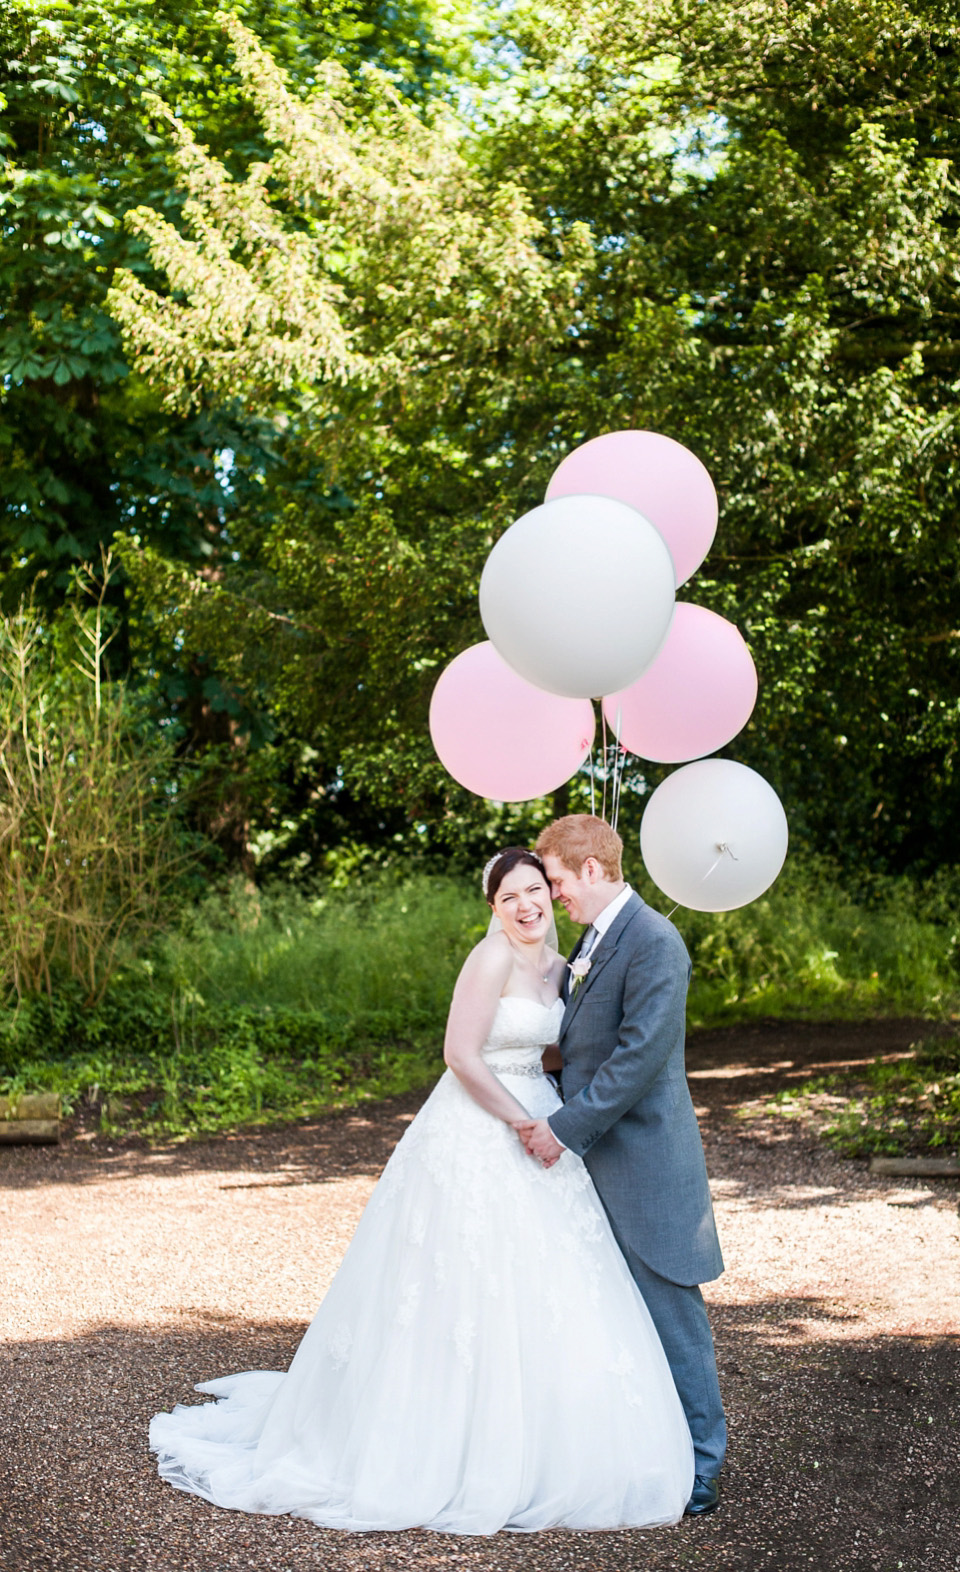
<point x="515" y="1069"/>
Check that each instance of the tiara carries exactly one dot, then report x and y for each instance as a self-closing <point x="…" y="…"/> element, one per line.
<point x="488" y="869"/>
<point x="485" y="876"/>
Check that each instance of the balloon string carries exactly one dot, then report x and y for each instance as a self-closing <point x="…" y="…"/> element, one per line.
<point x="623" y="758"/>
<point x="724" y="851"/>
<point x="620" y="757"/>
<point x="603" y="731"/>
<point x="593" y="793"/>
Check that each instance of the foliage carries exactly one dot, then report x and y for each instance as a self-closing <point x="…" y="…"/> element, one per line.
<point x="735" y="223"/>
<point x="423" y="296"/>
<point x="773" y="191"/>
<point x="365" y="252"/>
<point x="823" y="945"/>
<point x="389" y="947"/>
<point x="274" y="1003"/>
<point x="908" y="1105"/>
<point x="771" y="199"/>
<point x="381" y="951"/>
<point x="263" y="1005"/>
<point x="239" y="1067"/>
<point x="89" y="845"/>
<point x="86" y="448"/>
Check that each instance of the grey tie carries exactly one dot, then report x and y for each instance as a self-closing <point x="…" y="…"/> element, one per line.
<point x="590" y="938"/>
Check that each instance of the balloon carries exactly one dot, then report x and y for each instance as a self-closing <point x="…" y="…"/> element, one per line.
<point x="577" y="595"/>
<point x="661" y="478"/>
<point x="502" y="738"/>
<point x="713" y="835"/>
<point x="697" y="694"/>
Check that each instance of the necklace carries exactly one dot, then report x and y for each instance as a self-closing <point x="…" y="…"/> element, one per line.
<point x="541" y="975"/>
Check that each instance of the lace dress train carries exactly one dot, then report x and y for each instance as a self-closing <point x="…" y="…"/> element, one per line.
<point x="482" y="1359"/>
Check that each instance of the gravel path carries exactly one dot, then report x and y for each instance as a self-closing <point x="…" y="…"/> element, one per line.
<point x="129" y="1274"/>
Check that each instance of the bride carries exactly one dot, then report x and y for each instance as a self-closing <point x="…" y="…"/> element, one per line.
<point x="483" y="1358"/>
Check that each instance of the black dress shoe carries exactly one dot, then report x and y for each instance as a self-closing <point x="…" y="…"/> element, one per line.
<point x="705" y="1496"/>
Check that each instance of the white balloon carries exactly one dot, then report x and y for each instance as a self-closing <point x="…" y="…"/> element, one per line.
<point x="577" y="596"/>
<point x="714" y="835"/>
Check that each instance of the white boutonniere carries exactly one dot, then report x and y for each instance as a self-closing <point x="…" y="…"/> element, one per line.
<point x="578" y="970"/>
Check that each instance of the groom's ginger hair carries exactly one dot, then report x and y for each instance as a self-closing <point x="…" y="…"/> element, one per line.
<point x="578" y="836"/>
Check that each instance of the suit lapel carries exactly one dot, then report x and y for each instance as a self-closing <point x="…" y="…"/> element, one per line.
<point x="600" y="955"/>
<point x="565" y="985"/>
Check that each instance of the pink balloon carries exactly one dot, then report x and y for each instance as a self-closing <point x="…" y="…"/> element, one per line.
<point x="500" y="736"/>
<point x="697" y="694"/>
<point x="661" y="478"/>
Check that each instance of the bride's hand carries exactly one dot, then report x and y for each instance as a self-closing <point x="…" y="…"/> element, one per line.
<point x="539" y="1140"/>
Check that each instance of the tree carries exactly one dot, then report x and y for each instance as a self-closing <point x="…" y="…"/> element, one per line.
<point x="372" y="284"/>
<point x="774" y="192"/>
<point x="770" y="196"/>
<point x="87" y="449"/>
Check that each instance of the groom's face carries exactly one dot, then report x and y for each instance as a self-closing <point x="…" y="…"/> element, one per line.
<point x="576" y="891"/>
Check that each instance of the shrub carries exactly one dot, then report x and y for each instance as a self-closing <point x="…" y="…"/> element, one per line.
<point x="259" y="1004"/>
<point x="89" y="841"/>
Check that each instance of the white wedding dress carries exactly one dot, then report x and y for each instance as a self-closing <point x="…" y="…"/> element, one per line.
<point x="482" y="1359"/>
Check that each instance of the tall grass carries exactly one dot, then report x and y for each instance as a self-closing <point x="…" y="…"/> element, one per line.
<point x="270" y="1003"/>
<point x="818" y="946"/>
<point x="260" y="1005"/>
<point x="90" y="844"/>
<point x="378" y="956"/>
<point x="813" y="946"/>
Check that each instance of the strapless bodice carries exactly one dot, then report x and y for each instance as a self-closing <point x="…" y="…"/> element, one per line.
<point x="521" y="1029"/>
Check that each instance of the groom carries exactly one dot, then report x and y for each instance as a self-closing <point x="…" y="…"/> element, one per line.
<point x="628" y="1114"/>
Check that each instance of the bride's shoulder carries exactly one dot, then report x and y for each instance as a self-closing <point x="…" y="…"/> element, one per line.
<point x="484" y="972"/>
<point x="492" y="957"/>
<point x="493" y="950"/>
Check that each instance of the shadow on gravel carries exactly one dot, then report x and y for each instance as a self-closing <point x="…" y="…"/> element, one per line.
<point x="732" y="1065"/>
<point x="842" y="1457"/>
<point x="803" y="1045"/>
<point x="341" y="1145"/>
<point x="788" y="1197"/>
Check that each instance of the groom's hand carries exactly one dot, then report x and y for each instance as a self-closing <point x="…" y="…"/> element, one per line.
<point x="539" y="1140"/>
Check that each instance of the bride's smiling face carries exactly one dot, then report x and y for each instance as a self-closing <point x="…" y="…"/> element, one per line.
<point x="523" y="904"/>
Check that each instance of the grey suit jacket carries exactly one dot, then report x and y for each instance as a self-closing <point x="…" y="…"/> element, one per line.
<point x="627" y="1109"/>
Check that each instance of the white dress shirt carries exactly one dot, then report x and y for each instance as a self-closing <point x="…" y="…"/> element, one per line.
<point x="602" y="922"/>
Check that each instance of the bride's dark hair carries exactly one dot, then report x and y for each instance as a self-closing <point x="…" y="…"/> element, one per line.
<point x="504" y="863"/>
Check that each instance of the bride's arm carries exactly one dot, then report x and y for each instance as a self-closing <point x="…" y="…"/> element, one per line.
<point x="472" y="1009"/>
